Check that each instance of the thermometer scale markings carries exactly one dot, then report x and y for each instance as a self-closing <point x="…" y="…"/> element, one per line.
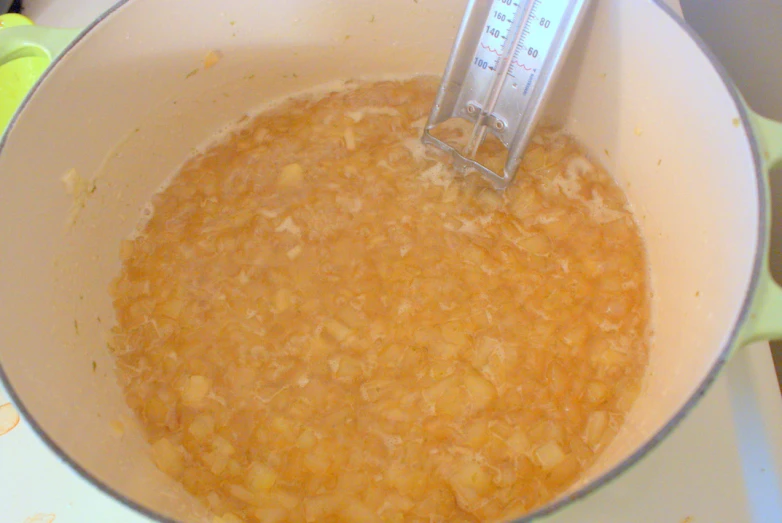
<point x="492" y="42"/>
<point x="505" y="56"/>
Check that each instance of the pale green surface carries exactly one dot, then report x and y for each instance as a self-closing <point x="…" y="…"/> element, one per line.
<point x="13" y="20"/>
<point x="25" y="53"/>
<point x="765" y="319"/>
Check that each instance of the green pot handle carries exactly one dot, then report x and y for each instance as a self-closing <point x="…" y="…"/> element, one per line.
<point x="765" y="318"/>
<point x="25" y="53"/>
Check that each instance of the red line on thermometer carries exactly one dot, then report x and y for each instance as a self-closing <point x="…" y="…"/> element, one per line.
<point x="491" y="50"/>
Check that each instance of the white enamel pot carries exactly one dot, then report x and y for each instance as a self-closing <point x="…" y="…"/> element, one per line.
<point x="127" y="101"/>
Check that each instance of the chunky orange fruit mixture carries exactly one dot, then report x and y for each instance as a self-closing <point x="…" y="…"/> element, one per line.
<point x="321" y="323"/>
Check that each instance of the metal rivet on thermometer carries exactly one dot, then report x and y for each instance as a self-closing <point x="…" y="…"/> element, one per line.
<point x="502" y="64"/>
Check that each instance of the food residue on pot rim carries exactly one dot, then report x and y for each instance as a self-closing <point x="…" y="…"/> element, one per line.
<point x="211" y="58"/>
<point x="117" y="428"/>
<point x="80" y="189"/>
<point x="9" y="418"/>
<point x="41" y="518"/>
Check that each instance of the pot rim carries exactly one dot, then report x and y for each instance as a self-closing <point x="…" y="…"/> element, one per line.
<point x="602" y="480"/>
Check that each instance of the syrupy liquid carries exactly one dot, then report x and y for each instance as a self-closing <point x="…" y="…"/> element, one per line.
<point x="322" y="323"/>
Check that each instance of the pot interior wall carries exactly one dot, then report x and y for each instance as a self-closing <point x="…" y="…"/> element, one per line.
<point x="123" y="108"/>
<point x="651" y="107"/>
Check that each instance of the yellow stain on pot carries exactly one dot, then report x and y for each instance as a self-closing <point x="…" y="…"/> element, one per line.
<point x="9" y="418"/>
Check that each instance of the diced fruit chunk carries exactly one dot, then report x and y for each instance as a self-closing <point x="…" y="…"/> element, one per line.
<point x="168" y="457"/>
<point x="549" y="455"/>
<point x="195" y="390"/>
<point x="292" y="175"/>
<point x="261" y="477"/>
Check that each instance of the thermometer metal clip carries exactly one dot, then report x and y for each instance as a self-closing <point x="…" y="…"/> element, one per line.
<point x="503" y="62"/>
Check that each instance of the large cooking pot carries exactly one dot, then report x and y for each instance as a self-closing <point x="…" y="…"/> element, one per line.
<point x="127" y="101"/>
